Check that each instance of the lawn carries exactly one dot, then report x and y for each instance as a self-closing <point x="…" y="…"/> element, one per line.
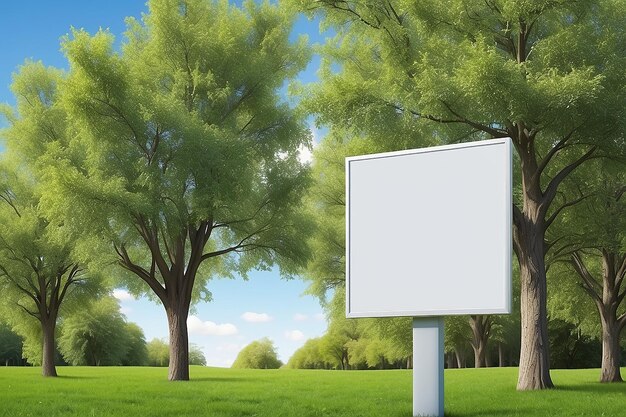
<point x="83" y="391"/>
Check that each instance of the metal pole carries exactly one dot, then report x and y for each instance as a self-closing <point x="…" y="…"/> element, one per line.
<point x="428" y="359"/>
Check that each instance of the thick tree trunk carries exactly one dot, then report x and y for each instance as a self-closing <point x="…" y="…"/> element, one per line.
<point x="47" y="360"/>
<point x="611" y="350"/>
<point x="534" y="366"/>
<point x="529" y="245"/>
<point x="179" y="343"/>
<point x="481" y="329"/>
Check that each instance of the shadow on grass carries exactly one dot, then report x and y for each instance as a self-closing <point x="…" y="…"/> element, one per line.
<point x="596" y="388"/>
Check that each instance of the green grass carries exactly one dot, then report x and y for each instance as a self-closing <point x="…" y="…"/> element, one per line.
<point x="82" y="391"/>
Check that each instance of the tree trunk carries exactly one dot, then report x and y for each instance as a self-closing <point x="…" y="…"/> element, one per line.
<point x="179" y="343"/>
<point x="529" y="245"/>
<point x="450" y="360"/>
<point x="481" y="329"/>
<point x="460" y="360"/>
<point x="534" y="366"/>
<point x="500" y="355"/>
<point x="611" y="350"/>
<point x="47" y="360"/>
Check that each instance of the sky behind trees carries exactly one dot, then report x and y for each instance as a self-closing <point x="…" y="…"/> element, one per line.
<point x="241" y="311"/>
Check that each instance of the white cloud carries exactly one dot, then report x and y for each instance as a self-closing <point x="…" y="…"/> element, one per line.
<point x="126" y="310"/>
<point x="300" y="317"/>
<point x="294" y="335"/>
<point x="122" y="295"/>
<point x="319" y="316"/>
<point x="251" y="317"/>
<point x="209" y="328"/>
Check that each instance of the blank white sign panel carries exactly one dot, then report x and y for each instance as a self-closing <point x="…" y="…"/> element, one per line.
<point x="429" y="231"/>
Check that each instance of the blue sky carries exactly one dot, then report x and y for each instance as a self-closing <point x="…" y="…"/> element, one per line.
<point x="241" y="311"/>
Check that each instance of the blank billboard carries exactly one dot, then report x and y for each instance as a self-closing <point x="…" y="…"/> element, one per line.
<point x="428" y="231"/>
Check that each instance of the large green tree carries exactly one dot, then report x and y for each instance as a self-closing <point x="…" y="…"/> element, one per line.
<point x="37" y="272"/>
<point x="41" y="270"/>
<point x="189" y="164"/>
<point x="549" y="74"/>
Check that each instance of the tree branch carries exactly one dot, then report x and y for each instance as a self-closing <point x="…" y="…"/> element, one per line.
<point x="554" y="215"/>
<point x="553" y="151"/>
<point x="126" y="263"/>
<point x="553" y="186"/>
<point x="590" y="285"/>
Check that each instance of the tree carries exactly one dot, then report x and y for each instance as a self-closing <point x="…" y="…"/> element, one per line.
<point x="260" y="354"/>
<point x="196" y="357"/>
<point x="42" y="271"/>
<point x="189" y="161"/>
<point x="137" y="353"/>
<point x="10" y="346"/>
<point x="481" y="330"/>
<point x="308" y="356"/>
<point x="97" y="335"/>
<point x="158" y="353"/>
<point x="593" y="243"/>
<point x="457" y="337"/>
<point x="399" y="70"/>
<point x="37" y="272"/>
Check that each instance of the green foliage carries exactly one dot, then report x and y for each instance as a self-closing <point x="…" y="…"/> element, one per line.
<point x="100" y="336"/>
<point x="158" y="353"/>
<point x="10" y="346"/>
<point x="308" y="357"/>
<point x="260" y="354"/>
<point x="187" y="156"/>
<point x="571" y="348"/>
<point x="196" y="357"/>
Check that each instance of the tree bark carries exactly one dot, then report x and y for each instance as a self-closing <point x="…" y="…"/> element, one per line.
<point x="534" y="366"/>
<point x="529" y="245"/>
<point x="611" y="351"/>
<point x="500" y="355"/>
<point x="47" y="360"/>
<point x="481" y="329"/>
<point x="179" y="343"/>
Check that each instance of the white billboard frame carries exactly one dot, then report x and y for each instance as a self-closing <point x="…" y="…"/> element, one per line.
<point x="500" y="167"/>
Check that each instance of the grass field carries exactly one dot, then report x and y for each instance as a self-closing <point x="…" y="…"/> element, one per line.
<point x="83" y="391"/>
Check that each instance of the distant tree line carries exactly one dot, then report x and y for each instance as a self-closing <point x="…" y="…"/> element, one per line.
<point x="99" y="335"/>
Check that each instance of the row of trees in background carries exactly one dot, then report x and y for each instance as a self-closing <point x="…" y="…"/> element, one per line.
<point x="98" y="335"/>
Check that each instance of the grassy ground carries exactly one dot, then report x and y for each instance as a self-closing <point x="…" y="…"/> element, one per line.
<point x="82" y="391"/>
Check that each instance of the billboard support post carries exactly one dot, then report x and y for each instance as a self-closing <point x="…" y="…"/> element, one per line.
<point x="428" y="357"/>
